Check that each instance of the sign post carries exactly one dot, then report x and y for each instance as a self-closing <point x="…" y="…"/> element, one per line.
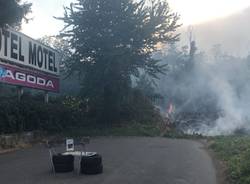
<point x="19" y="93"/>
<point x="46" y="97"/>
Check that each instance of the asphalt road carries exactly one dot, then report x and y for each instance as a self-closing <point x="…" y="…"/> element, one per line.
<point x="126" y="161"/>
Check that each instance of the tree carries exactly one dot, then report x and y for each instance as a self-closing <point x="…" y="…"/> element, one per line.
<point x="60" y="45"/>
<point x="112" y="41"/>
<point x="69" y="84"/>
<point x="12" y="12"/>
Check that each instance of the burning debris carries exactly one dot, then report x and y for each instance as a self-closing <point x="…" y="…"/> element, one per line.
<point x="203" y="123"/>
<point x="187" y="122"/>
<point x="193" y="123"/>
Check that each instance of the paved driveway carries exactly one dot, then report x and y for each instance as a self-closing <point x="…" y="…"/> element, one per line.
<point x="126" y="161"/>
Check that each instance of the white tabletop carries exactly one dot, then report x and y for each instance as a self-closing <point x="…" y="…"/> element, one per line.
<point x="79" y="153"/>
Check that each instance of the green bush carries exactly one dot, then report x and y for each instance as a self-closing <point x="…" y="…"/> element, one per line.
<point x="235" y="151"/>
<point x="31" y="114"/>
<point x="71" y="113"/>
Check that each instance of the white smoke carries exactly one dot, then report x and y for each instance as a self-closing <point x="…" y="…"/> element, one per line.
<point x="225" y="79"/>
<point x="228" y="80"/>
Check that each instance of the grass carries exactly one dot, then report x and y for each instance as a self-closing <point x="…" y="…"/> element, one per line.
<point x="235" y="152"/>
<point x="130" y="129"/>
<point x="133" y="129"/>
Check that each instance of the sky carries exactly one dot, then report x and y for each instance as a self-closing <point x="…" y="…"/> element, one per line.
<point x="198" y="11"/>
<point x="192" y="12"/>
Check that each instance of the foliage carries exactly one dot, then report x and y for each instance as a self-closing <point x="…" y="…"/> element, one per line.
<point x="235" y="151"/>
<point x="12" y="12"/>
<point x="110" y="42"/>
<point x="73" y="102"/>
<point x="71" y="115"/>
<point x="60" y="45"/>
<point x="33" y="114"/>
<point x="122" y="33"/>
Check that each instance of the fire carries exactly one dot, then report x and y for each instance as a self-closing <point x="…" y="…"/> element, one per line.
<point x="170" y="110"/>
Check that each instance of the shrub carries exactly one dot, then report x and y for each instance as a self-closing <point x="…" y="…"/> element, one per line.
<point x="31" y="114"/>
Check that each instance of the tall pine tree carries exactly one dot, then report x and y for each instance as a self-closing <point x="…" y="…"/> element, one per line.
<point x="113" y="40"/>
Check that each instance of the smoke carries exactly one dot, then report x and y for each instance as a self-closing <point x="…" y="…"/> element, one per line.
<point x="214" y="91"/>
<point x="231" y="31"/>
<point x="228" y="81"/>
